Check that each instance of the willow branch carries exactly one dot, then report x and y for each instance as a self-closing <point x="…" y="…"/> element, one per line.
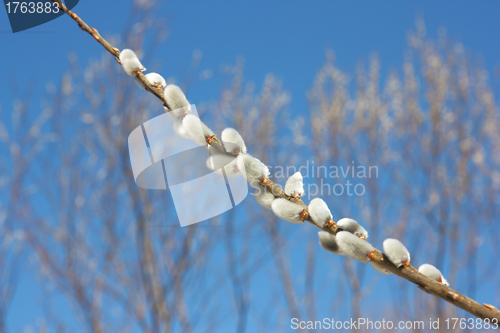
<point x="408" y="273"/>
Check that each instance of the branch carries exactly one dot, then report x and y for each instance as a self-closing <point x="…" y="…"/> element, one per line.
<point x="408" y="273"/>
<point x="438" y="289"/>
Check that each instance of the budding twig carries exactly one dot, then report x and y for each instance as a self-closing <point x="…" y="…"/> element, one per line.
<point x="93" y="32"/>
<point x="407" y="272"/>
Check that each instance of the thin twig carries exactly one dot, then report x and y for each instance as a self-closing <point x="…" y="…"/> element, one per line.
<point x="409" y="272"/>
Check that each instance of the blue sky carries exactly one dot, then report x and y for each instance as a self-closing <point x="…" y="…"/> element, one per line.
<point x="287" y="38"/>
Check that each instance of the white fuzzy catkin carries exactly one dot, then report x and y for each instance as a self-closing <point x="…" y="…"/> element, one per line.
<point x="319" y="212"/>
<point x="156" y="80"/>
<point x="233" y="142"/>
<point x="252" y="169"/>
<point x="218" y="161"/>
<point x="264" y="198"/>
<point x="178" y="114"/>
<point x="177" y="102"/>
<point x="196" y="129"/>
<point x="379" y="268"/>
<point x="396" y="252"/>
<point x="287" y="210"/>
<point x="329" y="242"/>
<point x="179" y="129"/>
<point x="294" y="185"/>
<point x="433" y="273"/>
<point x="444" y="281"/>
<point x="353" y="246"/>
<point x="353" y="227"/>
<point x="130" y="62"/>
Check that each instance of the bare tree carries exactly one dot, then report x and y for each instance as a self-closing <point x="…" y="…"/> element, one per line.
<point x="116" y="252"/>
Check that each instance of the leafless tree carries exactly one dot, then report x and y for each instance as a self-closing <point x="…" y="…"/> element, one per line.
<point x="122" y="263"/>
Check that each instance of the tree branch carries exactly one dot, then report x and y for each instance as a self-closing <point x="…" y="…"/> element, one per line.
<point x="409" y="272"/>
